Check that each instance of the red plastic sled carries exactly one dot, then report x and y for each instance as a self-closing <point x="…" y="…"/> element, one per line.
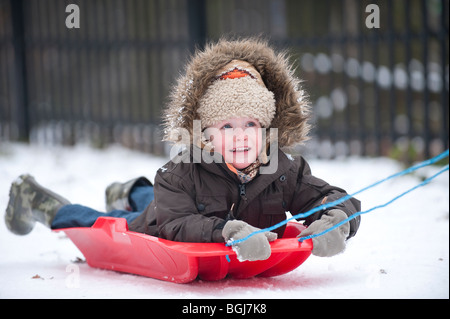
<point x="108" y="244"/>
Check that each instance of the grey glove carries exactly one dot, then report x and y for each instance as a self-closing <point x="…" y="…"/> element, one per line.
<point x="256" y="247"/>
<point x="333" y="242"/>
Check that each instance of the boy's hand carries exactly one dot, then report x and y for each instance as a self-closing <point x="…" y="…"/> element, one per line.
<point x="256" y="247"/>
<point x="333" y="242"/>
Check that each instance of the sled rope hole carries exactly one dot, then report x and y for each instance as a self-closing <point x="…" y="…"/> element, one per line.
<point x="343" y="199"/>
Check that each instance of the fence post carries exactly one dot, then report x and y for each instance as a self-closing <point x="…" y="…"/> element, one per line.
<point x="197" y="23"/>
<point x="21" y="110"/>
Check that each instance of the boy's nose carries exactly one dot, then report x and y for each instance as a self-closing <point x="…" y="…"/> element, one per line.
<point x="239" y="135"/>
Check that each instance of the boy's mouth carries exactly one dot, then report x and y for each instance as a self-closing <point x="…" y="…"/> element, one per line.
<point x="240" y="149"/>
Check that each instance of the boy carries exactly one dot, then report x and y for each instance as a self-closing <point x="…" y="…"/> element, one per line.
<point x="249" y="107"/>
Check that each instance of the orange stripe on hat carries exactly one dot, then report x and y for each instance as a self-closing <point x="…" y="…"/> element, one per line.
<point x="235" y="74"/>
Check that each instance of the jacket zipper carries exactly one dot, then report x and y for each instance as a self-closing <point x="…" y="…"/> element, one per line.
<point x="242" y="191"/>
<point x="242" y="195"/>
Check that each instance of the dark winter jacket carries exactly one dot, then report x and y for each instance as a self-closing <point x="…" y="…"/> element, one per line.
<point x="193" y="200"/>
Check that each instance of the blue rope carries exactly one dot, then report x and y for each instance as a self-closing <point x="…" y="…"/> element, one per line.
<point x="347" y="197"/>
<point x="425" y="182"/>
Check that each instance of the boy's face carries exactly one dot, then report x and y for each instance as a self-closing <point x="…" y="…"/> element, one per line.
<point x="239" y="140"/>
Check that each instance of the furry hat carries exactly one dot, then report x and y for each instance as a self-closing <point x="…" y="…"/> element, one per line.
<point x="193" y="95"/>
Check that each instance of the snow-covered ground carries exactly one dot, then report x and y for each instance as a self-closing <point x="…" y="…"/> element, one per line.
<point x="401" y="251"/>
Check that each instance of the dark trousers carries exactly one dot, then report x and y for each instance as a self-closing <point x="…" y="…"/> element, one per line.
<point x="81" y="216"/>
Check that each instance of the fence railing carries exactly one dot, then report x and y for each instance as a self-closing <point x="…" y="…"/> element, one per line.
<point x="377" y="73"/>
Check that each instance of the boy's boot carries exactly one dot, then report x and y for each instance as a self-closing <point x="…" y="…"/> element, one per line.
<point x="30" y="202"/>
<point x="117" y="195"/>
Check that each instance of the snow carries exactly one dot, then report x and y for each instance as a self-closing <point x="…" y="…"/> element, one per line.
<point x="401" y="251"/>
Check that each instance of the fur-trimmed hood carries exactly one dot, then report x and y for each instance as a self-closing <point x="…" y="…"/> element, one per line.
<point x="292" y="106"/>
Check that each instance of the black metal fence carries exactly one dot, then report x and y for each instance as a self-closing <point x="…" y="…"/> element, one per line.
<point x="376" y="71"/>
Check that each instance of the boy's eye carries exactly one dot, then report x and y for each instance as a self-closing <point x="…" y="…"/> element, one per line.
<point x="251" y="124"/>
<point x="227" y="126"/>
